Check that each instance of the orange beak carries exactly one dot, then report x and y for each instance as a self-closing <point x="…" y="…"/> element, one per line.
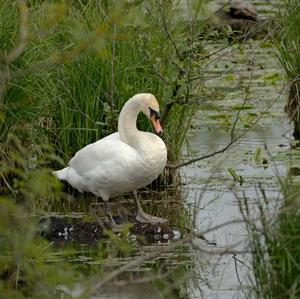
<point x="156" y="124"/>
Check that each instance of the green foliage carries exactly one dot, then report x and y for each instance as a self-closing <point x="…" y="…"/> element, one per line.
<point x="276" y="256"/>
<point x="81" y="61"/>
<point x="275" y="245"/>
<point x="287" y="43"/>
<point x="24" y="269"/>
<point x="235" y="176"/>
<point x="288" y="40"/>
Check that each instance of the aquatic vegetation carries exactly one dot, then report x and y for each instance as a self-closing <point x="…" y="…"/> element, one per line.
<point x="275" y="239"/>
<point x="275" y="244"/>
<point x="83" y="61"/>
<point x="287" y="43"/>
<point x="24" y="258"/>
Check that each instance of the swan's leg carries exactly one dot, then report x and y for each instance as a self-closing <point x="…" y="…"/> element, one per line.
<point x="114" y="226"/>
<point x="141" y="216"/>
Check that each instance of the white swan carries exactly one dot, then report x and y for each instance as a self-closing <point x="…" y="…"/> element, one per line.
<point x="121" y="162"/>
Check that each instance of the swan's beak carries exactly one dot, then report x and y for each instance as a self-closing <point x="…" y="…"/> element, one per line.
<point x="156" y="124"/>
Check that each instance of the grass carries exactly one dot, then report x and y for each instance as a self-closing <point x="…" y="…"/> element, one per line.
<point x="275" y="240"/>
<point x="287" y="43"/>
<point x="99" y="62"/>
<point x="275" y="244"/>
<point x="81" y="62"/>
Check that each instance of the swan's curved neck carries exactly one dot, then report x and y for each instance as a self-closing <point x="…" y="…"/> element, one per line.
<point x="127" y="122"/>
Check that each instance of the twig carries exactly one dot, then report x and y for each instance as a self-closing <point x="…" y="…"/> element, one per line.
<point x="239" y="112"/>
<point x="168" y="33"/>
<point x="236" y="269"/>
<point x="234" y="140"/>
<point x="208" y="155"/>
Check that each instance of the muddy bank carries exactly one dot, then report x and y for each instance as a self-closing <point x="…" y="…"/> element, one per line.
<point x="66" y="229"/>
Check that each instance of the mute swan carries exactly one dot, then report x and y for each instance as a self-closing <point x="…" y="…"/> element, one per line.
<point x="123" y="161"/>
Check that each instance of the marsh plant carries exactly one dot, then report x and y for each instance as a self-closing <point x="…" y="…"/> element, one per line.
<point x="287" y="43"/>
<point x="79" y="63"/>
<point x="274" y="242"/>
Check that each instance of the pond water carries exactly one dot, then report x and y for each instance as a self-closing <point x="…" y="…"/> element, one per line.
<point x="210" y="188"/>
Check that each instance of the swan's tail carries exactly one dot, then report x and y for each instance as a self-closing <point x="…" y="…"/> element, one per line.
<point x="61" y="174"/>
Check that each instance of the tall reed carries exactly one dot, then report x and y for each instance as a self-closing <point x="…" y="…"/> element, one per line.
<point x="93" y="58"/>
<point x="287" y="43"/>
<point x="275" y="246"/>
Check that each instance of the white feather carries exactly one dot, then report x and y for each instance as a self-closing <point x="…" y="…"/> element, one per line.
<point x="110" y="167"/>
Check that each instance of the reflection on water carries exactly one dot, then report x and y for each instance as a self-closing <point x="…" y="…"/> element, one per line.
<point x="217" y="204"/>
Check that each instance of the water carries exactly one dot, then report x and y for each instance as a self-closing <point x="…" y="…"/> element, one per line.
<point x="209" y="186"/>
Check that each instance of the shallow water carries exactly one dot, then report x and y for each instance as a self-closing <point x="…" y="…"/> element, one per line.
<point x="209" y="186"/>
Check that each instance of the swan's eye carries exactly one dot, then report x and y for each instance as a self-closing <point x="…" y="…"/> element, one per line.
<point x="155" y="113"/>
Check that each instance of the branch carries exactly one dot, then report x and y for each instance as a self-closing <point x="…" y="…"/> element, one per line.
<point x="239" y="112"/>
<point x="168" y="33"/>
<point x="232" y="139"/>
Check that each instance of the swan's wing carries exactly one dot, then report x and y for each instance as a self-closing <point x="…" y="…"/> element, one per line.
<point x="107" y="154"/>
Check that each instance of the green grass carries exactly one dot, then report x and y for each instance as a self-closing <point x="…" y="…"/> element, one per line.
<point x="275" y="245"/>
<point x="275" y="240"/>
<point x="83" y="60"/>
<point x="287" y="43"/>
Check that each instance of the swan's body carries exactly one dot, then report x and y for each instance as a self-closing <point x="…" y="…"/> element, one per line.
<point x="110" y="167"/>
<point x="121" y="162"/>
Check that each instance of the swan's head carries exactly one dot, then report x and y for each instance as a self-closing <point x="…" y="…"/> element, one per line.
<point x="150" y="108"/>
